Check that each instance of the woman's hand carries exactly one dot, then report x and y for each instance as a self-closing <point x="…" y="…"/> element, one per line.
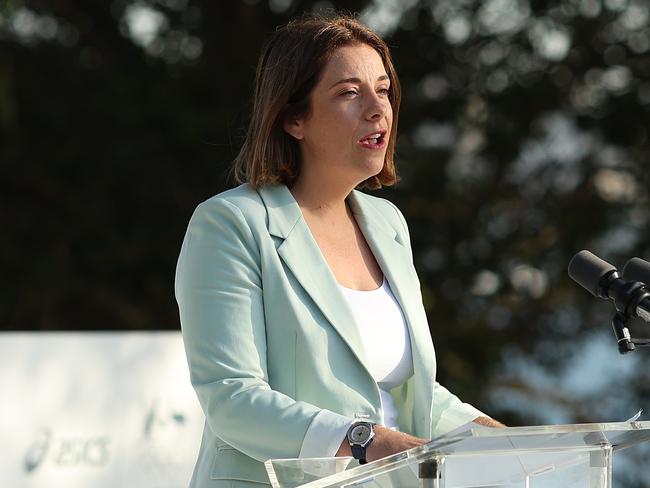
<point x="488" y="422"/>
<point x="385" y="443"/>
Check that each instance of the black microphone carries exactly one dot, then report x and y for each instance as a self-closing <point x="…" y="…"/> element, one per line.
<point x="592" y="273"/>
<point x="602" y="280"/>
<point x="636" y="269"/>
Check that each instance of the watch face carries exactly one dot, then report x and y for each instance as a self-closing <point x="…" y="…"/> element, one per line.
<point x="360" y="433"/>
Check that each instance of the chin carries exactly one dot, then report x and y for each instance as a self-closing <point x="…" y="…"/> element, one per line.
<point x="375" y="167"/>
<point x="368" y="167"/>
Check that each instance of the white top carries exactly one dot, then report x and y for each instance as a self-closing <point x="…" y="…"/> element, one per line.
<point x="386" y="342"/>
<point x="387" y="346"/>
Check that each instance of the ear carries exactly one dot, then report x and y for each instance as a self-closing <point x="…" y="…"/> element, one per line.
<point x="293" y="127"/>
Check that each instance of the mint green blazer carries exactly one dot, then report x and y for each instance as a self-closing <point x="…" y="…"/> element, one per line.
<point x="271" y="343"/>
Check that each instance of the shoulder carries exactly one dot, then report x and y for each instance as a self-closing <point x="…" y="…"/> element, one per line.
<point x="236" y="215"/>
<point x="241" y="202"/>
<point x="242" y="197"/>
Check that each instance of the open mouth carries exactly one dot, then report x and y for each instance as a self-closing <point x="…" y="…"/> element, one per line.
<point x="374" y="140"/>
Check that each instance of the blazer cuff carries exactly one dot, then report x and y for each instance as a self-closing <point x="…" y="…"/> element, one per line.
<point x="456" y="416"/>
<point x="325" y="434"/>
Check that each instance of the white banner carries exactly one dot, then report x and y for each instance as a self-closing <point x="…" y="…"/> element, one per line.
<point x="96" y="410"/>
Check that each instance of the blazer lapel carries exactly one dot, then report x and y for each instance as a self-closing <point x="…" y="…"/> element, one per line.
<point x="303" y="257"/>
<point x="394" y="258"/>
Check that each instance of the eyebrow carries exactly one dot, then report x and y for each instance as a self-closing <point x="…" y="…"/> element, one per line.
<point x="356" y="80"/>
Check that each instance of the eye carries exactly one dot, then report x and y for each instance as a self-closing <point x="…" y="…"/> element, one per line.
<point x="384" y="91"/>
<point x="349" y="93"/>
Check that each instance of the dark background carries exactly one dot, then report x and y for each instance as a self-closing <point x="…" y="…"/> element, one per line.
<point x="523" y="139"/>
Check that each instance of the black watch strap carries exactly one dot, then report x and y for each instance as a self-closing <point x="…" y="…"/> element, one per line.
<point x="359" y="452"/>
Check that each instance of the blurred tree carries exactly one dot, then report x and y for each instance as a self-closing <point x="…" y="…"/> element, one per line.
<point x="523" y="139"/>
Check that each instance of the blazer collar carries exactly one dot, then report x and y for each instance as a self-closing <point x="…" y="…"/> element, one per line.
<point x="284" y="212"/>
<point x="282" y="209"/>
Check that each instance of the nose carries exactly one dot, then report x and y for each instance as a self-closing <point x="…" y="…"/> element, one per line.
<point x="377" y="107"/>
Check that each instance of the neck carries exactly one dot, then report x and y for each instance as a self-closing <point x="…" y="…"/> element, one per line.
<point x="320" y="197"/>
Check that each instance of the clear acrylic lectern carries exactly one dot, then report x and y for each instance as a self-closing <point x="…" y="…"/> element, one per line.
<point x="567" y="456"/>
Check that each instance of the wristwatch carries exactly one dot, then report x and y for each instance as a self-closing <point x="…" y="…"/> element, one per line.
<point x="360" y="435"/>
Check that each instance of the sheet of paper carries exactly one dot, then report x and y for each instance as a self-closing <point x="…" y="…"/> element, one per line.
<point x="635" y="417"/>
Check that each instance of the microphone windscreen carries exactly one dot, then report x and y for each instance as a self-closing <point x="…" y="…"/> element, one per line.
<point x="636" y="269"/>
<point x="587" y="270"/>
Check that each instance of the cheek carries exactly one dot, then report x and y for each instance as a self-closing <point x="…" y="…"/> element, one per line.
<point x="347" y="113"/>
<point x="389" y="112"/>
<point x="342" y="125"/>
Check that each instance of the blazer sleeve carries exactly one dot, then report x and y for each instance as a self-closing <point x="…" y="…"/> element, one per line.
<point x="449" y="412"/>
<point x="219" y="293"/>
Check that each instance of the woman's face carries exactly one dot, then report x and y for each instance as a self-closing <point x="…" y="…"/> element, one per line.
<point x="346" y="132"/>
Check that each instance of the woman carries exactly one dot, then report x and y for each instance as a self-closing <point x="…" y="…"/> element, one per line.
<point x="300" y="307"/>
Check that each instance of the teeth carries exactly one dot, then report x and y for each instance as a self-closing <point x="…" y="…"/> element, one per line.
<point x="374" y="138"/>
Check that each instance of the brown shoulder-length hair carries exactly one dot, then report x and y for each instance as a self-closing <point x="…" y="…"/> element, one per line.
<point x="289" y="67"/>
